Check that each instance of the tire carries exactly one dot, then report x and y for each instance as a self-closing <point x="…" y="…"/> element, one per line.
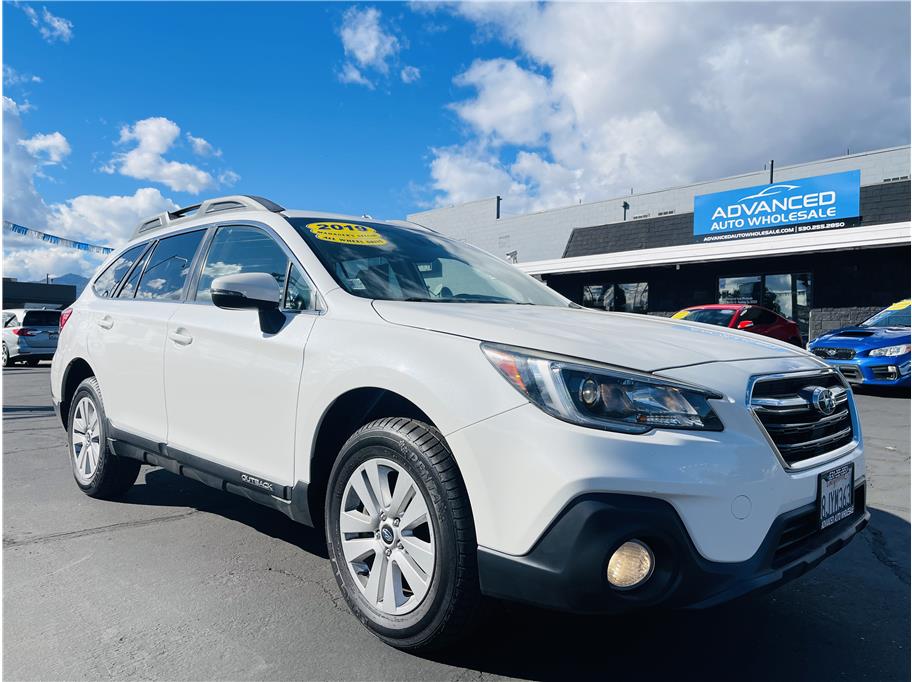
<point x="6" y="356"/>
<point x="430" y="614"/>
<point x="97" y="470"/>
<point x="31" y="362"/>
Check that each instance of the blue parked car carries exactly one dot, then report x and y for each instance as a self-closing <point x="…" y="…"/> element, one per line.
<point x="873" y="352"/>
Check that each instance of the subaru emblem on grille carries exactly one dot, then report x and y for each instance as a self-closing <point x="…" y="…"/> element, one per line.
<point x="823" y="400"/>
<point x="831" y="352"/>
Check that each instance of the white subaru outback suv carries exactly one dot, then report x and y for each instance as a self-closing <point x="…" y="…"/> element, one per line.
<point x="457" y="428"/>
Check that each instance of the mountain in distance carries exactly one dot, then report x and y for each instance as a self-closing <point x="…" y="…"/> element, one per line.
<point x="77" y="281"/>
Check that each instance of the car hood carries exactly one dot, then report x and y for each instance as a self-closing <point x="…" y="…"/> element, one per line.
<point x="864" y="337"/>
<point x="635" y="341"/>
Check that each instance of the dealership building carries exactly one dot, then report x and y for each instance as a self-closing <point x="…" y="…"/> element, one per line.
<point x="825" y="243"/>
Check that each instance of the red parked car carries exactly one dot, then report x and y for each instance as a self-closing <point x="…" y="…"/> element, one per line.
<point x="752" y="318"/>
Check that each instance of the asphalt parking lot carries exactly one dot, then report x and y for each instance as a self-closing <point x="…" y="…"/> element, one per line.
<point x="179" y="581"/>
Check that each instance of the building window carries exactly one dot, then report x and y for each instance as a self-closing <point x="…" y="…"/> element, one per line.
<point x="626" y="298"/>
<point x="786" y="294"/>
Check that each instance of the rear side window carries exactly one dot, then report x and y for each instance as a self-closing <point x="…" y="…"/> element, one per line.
<point x="41" y="318"/>
<point x="128" y="290"/>
<point x="168" y="267"/>
<point x="10" y="321"/>
<point x="107" y="281"/>
<point x="238" y="249"/>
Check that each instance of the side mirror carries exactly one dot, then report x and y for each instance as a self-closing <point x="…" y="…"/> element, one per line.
<point x="745" y="324"/>
<point x="250" y="290"/>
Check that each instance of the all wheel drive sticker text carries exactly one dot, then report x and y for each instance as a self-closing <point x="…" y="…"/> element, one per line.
<point x="347" y="233"/>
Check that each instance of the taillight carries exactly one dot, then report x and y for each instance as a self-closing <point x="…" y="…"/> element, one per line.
<point x="24" y="331"/>
<point x="64" y="316"/>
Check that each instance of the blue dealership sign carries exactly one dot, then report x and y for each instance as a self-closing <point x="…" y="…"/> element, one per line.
<point x="823" y="202"/>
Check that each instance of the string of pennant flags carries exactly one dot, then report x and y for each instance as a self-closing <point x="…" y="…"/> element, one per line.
<point x="55" y="240"/>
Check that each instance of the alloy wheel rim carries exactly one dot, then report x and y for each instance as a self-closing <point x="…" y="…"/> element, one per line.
<point x="85" y="442"/>
<point x="387" y="537"/>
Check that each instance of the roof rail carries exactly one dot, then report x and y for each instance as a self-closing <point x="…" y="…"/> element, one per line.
<point x="232" y="202"/>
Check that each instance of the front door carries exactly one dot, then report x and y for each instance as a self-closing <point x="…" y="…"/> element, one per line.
<point x="232" y="389"/>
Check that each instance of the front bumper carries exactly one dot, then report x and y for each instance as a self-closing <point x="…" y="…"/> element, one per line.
<point x="874" y="371"/>
<point x="566" y="568"/>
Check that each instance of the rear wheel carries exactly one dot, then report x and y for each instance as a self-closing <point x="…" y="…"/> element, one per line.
<point x="32" y="362"/>
<point x="97" y="470"/>
<point x="400" y="534"/>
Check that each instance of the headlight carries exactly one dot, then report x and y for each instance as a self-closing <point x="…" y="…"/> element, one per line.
<point x="890" y="351"/>
<point x="604" y="397"/>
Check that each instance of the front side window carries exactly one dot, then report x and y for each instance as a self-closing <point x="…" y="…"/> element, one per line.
<point x="299" y="293"/>
<point x="107" y="281"/>
<point x="168" y="267"/>
<point x="239" y="249"/>
<point x="721" y="317"/>
<point x="379" y="261"/>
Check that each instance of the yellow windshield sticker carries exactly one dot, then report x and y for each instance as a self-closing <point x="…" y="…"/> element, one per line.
<point x="680" y="315"/>
<point x="346" y="233"/>
<point x="902" y="305"/>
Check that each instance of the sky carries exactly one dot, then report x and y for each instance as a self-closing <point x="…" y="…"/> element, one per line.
<point x="115" y="111"/>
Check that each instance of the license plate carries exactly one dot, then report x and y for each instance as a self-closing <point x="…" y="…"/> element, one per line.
<point x="835" y="499"/>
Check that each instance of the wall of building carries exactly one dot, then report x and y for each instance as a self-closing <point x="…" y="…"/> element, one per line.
<point x="843" y="282"/>
<point x="888" y="202"/>
<point x="36" y="294"/>
<point x="544" y="235"/>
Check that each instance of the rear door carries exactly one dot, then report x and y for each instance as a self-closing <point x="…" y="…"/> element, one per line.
<point x="232" y="390"/>
<point x="128" y="334"/>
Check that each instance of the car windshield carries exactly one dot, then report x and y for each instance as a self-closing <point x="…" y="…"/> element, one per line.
<point x="379" y="261"/>
<point x="717" y="316"/>
<point x="894" y="316"/>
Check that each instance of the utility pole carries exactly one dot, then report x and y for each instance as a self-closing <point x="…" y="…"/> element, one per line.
<point x="772" y="163"/>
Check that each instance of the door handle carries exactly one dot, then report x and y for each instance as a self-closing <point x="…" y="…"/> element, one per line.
<point x="180" y="338"/>
<point x="105" y="322"/>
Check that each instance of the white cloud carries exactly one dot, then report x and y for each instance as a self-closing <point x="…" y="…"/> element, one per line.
<point x="106" y="220"/>
<point x="410" y="74"/>
<point x="21" y="202"/>
<point x="603" y="97"/>
<point x="94" y="219"/>
<point x="49" y="149"/>
<point x="51" y="27"/>
<point x="11" y="77"/>
<point x="367" y="45"/>
<point x="154" y="137"/>
<point x="202" y="147"/>
<point x="32" y="264"/>
<point x="350" y="74"/>
<point x="228" y="178"/>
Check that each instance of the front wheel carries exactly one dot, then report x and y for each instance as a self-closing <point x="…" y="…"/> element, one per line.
<point x="400" y="534"/>
<point x="6" y="356"/>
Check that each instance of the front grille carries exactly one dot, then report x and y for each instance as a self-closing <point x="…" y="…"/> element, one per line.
<point x="799" y="429"/>
<point x="835" y="353"/>
<point x="802" y="530"/>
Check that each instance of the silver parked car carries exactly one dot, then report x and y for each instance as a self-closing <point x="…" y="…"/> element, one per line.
<point x="29" y="336"/>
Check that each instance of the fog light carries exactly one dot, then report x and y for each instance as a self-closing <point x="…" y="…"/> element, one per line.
<point x="630" y="565"/>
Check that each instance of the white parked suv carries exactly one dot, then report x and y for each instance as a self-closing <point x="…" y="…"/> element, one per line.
<point x="457" y="428"/>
